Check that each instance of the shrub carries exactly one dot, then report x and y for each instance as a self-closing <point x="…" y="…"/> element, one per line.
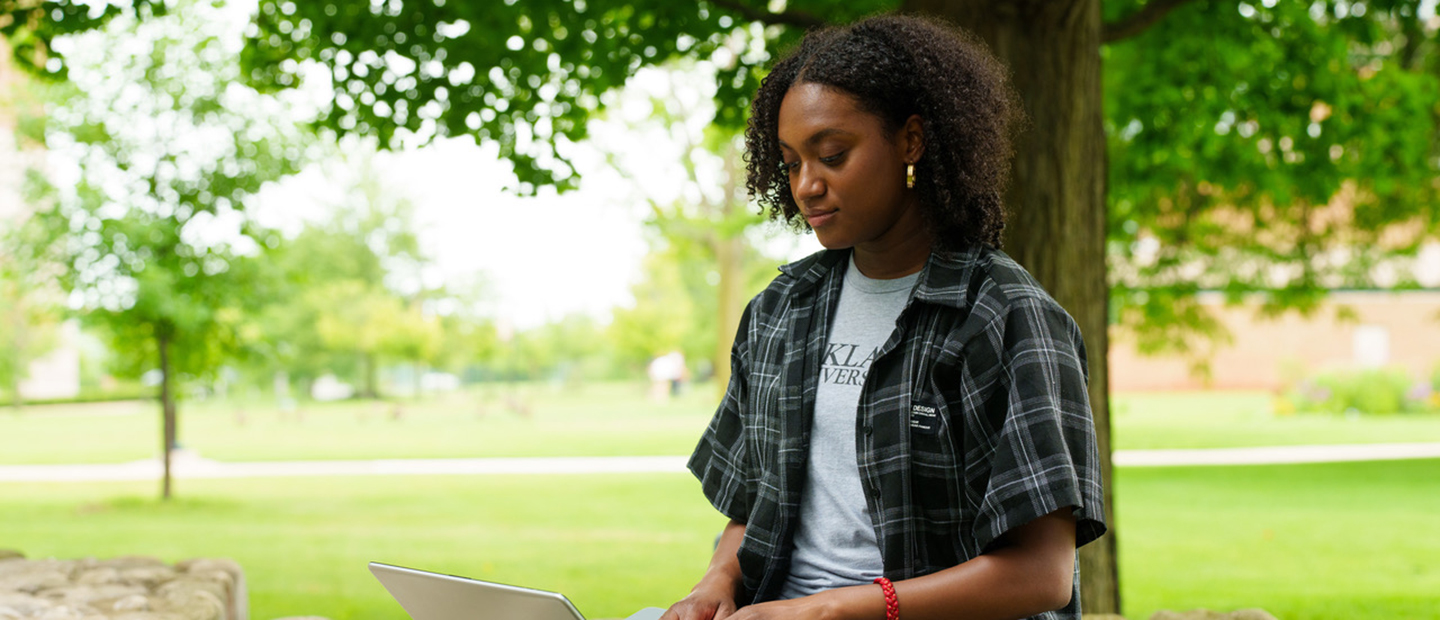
<point x="1377" y="391"/>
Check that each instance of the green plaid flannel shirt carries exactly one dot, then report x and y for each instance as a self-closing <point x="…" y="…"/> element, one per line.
<point x="974" y="418"/>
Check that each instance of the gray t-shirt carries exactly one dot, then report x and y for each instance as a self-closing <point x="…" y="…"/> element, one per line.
<point x="835" y="543"/>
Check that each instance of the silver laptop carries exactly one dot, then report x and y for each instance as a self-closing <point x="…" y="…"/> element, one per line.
<point x="433" y="596"/>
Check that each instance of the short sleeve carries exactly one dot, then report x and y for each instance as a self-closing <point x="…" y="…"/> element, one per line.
<point x="719" y="460"/>
<point x="1043" y="454"/>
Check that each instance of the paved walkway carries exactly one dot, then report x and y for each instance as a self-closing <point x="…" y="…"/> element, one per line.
<point x="187" y="465"/>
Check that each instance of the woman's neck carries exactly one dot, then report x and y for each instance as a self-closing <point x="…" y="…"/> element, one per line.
<point x="903" y="250"/>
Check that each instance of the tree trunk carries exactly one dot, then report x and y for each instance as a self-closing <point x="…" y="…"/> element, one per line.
<point x="167" y="408"/>
<point x="1056" y="225"/>
<point x="367" y="361"/>
<point x="730" y="245"/>
<point x="18" y="366"/>
<point x="729" y="259"/>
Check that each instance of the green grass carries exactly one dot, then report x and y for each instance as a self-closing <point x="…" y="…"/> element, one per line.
<point x="1307" y="542"/>
<point x="1340" y="540"/>
<point x="613" y="419"/>
<point x="613" y="544"/>
<point x="1149" y="421"/>
<point x="602" y="419"/>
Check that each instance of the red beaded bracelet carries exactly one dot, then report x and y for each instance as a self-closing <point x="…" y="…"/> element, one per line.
<point x="892" y="602"/>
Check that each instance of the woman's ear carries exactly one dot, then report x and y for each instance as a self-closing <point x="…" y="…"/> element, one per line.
<point x="912" y="139"/>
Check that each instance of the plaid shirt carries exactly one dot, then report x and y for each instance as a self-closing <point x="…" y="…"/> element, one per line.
<point x="974" y="418"/>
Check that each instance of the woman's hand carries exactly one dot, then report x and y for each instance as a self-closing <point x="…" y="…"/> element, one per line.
<point x="807" y="608"/>
<point x="704" y="603"/>
<point x="714" y="597"/>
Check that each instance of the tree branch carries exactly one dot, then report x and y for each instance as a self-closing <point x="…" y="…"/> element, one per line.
<point x="783" y="18"/>
<point x="1137" y="22"/>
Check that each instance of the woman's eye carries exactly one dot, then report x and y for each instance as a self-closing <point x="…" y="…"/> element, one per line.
<point x="833" y="159"/>
<point x="789" y="166"/>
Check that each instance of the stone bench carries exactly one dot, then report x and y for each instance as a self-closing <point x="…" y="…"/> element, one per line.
<point x="127" y="588"/>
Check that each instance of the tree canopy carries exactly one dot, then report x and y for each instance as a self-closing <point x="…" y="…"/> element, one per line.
<point x="1280" y="147"/>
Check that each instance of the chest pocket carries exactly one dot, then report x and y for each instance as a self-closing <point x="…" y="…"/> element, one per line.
<point x="936" y="470"/>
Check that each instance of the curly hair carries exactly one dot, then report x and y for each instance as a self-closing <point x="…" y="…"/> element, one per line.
<point x="896" y="66"/>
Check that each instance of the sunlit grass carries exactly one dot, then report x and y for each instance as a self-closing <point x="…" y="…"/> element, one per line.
<point x="1341" y="540"/>
<point x="1240" y="419"/>
<point x="599" y="419"/>
<point x="613" y="544"/>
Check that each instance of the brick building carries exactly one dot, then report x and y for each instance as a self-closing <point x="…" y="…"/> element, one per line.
<point x="1384" y="328"/>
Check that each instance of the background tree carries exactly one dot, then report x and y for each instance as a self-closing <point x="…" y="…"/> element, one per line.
<point x="342" y="279"/>
<point x="1297" y="157"/>
<point x="703" y="223"/>
<point x="31" y="306"/>
<point x="163" y="147"/>
<point x="528" y="76"/>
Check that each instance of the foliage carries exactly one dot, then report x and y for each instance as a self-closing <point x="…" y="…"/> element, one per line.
<point x="665" y="315"/>
<point x="570" y="349"/>
<point x="1375" y="391"/>
<point x="160" y="148"/>
<point x="30" y="304"/>
<point x="347" y="289"/>
<point x="675" y="301"/>
<point x="30" y="28"/>
<point x="525" y="75"/>
<point x="1284" y="148"/>
<point x="700" y="219"/>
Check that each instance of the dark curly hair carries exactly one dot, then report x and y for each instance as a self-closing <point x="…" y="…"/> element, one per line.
<point x="896" y="66"/>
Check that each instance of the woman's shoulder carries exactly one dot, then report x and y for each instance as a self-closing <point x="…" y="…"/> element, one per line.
<point x="997" y="285"/>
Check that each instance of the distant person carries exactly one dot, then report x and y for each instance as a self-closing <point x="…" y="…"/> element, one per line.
<point x="667" y="373"/>
<point x="906" y="432"/>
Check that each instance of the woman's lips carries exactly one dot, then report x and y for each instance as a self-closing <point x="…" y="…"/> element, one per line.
<point x="817" y="219"/>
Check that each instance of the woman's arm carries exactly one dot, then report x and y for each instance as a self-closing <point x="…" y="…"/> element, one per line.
<point x="714" y="597"/>
<point x="1031" y="571"/>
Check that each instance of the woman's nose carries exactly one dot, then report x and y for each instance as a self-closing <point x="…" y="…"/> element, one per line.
<point x="808" y="185"/>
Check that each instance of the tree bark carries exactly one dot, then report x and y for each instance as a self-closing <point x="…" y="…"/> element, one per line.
<point x="730" y="247"/>
<point x="167" y="415"/>
<point x="1056" y="226"/>
<point x="18" y="364"/>
<point x="367" y="361"/>
<point x="729" y="258"/>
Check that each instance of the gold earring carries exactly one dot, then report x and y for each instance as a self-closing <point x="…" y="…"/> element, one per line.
<point x="910" y="176"/>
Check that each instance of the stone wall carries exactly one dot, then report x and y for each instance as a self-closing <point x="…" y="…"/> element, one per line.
<point x="127" y="588"/>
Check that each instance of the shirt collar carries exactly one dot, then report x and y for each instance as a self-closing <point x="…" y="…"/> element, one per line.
<point x="944" y="280"/>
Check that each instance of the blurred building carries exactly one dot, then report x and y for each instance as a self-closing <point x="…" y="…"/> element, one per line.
<point x="1351" y="330"/>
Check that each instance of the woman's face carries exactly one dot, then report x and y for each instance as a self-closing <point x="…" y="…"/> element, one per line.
<point x="847" y="173"/>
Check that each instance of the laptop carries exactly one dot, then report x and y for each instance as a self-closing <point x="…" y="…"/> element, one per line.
<point x="433" y="596"/>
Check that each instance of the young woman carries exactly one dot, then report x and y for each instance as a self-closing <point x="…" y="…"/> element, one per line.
<point x="906" y="430"/>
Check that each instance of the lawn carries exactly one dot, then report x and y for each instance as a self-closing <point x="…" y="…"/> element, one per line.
<point x="1147" y="421"/>
<point x="1336" y="540"/>
<point x="613" y="544"/>
<point x="600" y="419"/>
<point x="1352" y="540"/>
